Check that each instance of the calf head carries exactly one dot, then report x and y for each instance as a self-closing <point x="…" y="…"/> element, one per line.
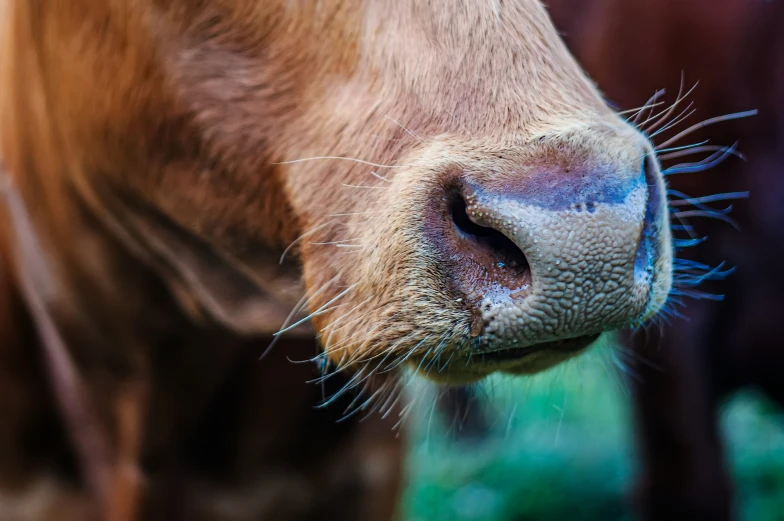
<point x="458" y="195"/>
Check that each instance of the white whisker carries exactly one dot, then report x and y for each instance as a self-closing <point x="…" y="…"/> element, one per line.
<point x="315" y="313"/>
<point x="707" y="122"/>
<point x="652" y="102"/>
<point x="404" y="128"/>
<point x="664" y="116"/>
<point x="376" y="174"/>
<point x="677" y="120"/>
<point x="709" y="198"/>
<point x="337" y="158"/>
<point x="306" y="234"/>
<point x="697" y="150"/>
<point x="343" y="241"/>
<point x="355" y="213"/>
<point x="684" y="147"/>
<point x="363" y="186"/>
<point x="297" y="308"/>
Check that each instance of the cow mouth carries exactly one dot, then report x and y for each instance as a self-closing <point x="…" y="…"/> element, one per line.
<point x="466" y="368"/>
<point x="565" y="345"/>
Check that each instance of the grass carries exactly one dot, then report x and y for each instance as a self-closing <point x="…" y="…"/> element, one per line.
<point x="562" y="449"/>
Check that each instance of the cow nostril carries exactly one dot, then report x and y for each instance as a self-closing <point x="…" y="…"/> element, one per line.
<point x="464" y="223"/>
<point x="489" y="244"/>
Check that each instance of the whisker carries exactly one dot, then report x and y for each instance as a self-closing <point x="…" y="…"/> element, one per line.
<point x="363" y="186"/>
<point x="696" y="150"/>
<point x="388" y="390"/>
<point x="688" y="243"/>
<point x="653" y="116"/>
<point x="306" y="234"/>
<point x="351" y="410"/>
<point x="362" y="380"/>
<point x="332" y="399"/>
<point x="337" y="158"/>
<point x="406" y="357"/>
<point x="625" y="368"/>
<point x="688" y="263"/>
<point x="441" y="369"/>
<point x="332" y="327"/>
<point x="356" y="318"/>
<point x="666" y="115"/>
<point x="706" y="164"/>
<point x="387" y="407"/>
<point x="710" y="215"/>
<point x="681" y="228"/>
<point x="704" y="207"/>
<point x="436" y="356"/>
<point x="714" y="273"/>
<point x="376" y="174"/>
<point x="673" y="149"/>
<point x="685" y="199"/>
<point x="384" y="393"/>
<point x="356" y="356"/>
<point x="343" y="344"/>
<point x="697" y="295"/>
<point x="705" y="123"/>
<point x="355" y="213"/>
<point x="343" y="241"/>
<point x="404" y="128"/>
<point x="639" y="357"/>
<point x="386" y="353"/>
<point x="677" y="120"/>
<point x="652" y="102"/>
<point x="297" y="308"/>
<point x="404" y="415"/>
<point x="636" y="110"/>
<point x="318" y="312"/>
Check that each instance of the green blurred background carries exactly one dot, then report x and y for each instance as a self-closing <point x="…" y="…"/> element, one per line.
<point x="562" y="448"/>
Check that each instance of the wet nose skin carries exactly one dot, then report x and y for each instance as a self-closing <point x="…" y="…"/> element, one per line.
<point x="557" y="255"/>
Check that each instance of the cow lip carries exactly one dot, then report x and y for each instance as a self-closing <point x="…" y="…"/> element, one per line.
<point x="566" y="345"/>
<point x="480" y="364"/>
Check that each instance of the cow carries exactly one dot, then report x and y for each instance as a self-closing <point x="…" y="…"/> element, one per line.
<point x="735" y="49"/>
<point x="430" y="186"/>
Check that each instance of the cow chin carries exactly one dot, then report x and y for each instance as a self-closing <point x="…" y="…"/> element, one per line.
<point x="510" y="264"/>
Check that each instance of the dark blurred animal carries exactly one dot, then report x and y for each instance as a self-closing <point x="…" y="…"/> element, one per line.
<point x="735" y="48"/>
<point x="432" y="184"/>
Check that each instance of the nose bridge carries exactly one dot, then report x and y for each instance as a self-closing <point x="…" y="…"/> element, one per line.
<point x="580" y="243"/>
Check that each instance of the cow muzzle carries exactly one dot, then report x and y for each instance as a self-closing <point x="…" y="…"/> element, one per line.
<point x="546" y="264"/>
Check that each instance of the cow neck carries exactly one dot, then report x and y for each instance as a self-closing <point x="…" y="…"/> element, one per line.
<point x="94" y="347"/>
<point x="77" y="410"/>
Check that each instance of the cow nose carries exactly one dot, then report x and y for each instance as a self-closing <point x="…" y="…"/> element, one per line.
<point x="557" y="256"/>
<point x="488" y="253"/>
